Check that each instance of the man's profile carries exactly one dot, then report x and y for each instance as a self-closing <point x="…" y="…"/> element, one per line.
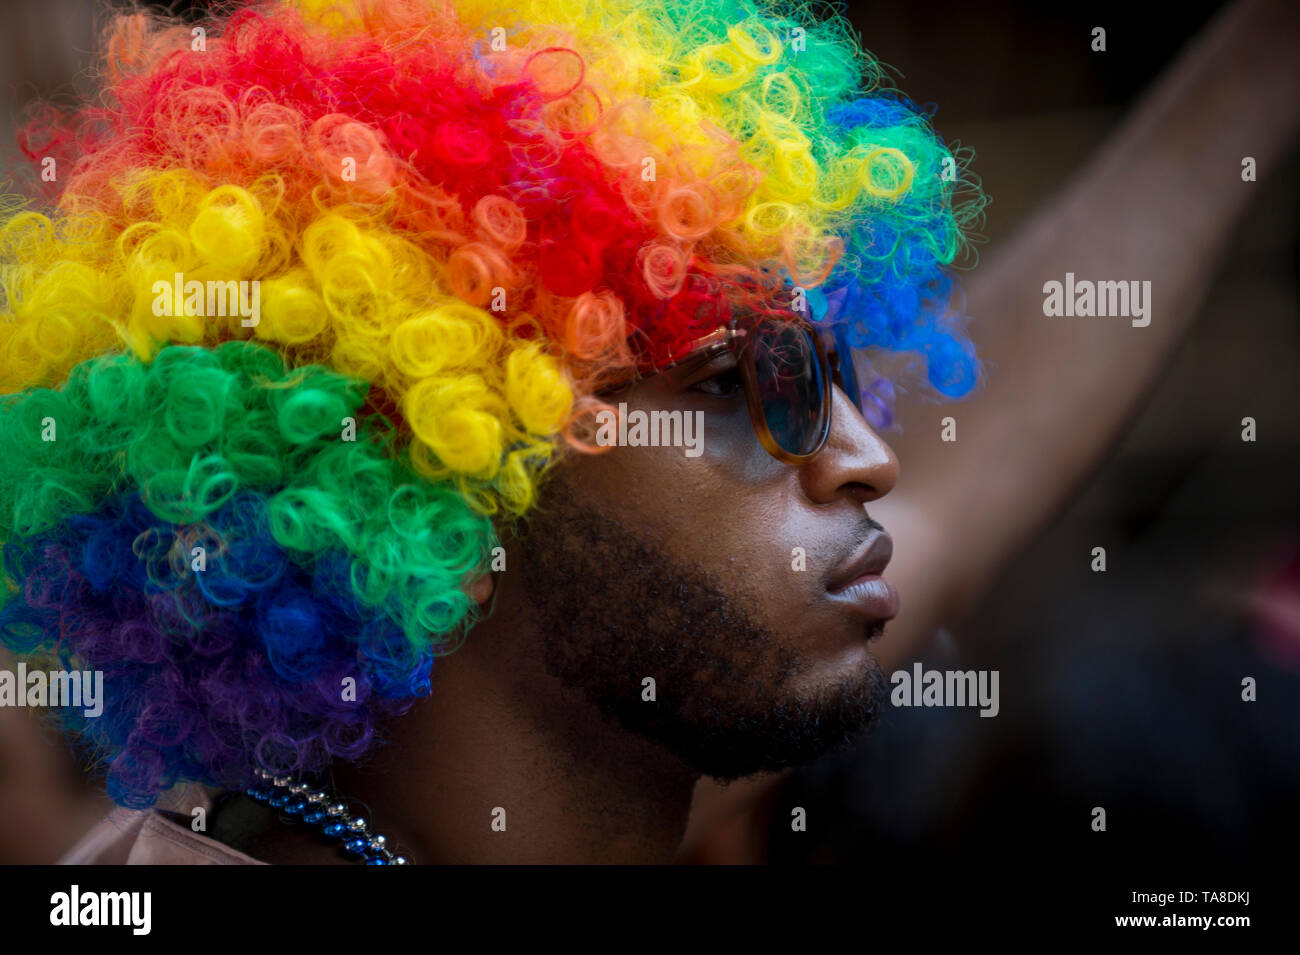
<point x="303" y="351"/>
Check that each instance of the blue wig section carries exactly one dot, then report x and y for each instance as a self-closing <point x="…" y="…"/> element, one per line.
<point x="201" y="667"/>
<point x="892" y="287"/>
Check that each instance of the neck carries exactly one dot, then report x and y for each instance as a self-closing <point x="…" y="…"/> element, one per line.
<point x="501" y="764"/>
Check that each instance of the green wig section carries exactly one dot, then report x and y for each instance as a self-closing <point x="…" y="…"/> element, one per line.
<point x="196" y="426"/>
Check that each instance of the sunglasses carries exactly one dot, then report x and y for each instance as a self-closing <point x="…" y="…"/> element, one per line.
<point x="787" y="368"/>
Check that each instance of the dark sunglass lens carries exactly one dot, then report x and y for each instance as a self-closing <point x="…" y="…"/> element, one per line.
<point x="790" y="387"/>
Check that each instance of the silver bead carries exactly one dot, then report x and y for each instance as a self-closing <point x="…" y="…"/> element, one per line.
<point x="378" y="844"/>
<point x="281" y="781"/>
<point x="358" y="825"/>
<point x="262" y="774"/>
<point x="297" y="788"/>
<point x="399" y="860"/>
<point x="337" y="809"/>
<point x="315" y="797"/>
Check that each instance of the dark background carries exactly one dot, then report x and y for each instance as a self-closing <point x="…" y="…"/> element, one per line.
<point x="1121" y="689"/>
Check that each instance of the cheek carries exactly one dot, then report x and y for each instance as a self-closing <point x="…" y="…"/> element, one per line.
<point x="740" y="522"/>
<point x="755" y="536"/>
<point x="732" y="510"/>
<point x="723" y="471"/>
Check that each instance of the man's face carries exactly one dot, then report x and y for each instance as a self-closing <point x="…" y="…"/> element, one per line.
<point x="711" y="575"/>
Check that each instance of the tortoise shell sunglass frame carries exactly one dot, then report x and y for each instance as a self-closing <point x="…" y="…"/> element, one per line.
<point x="786" y="371"/>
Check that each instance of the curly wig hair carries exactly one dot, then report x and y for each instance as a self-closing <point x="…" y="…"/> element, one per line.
<point x="462" y="219"/>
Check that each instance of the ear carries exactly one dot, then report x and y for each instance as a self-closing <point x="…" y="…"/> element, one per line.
<point x="481" y="590"/>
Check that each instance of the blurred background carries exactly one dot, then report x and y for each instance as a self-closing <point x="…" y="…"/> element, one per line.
<point x="1120" y="689"/>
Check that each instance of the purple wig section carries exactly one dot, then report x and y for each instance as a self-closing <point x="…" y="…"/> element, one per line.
<point x="252" y="662"/>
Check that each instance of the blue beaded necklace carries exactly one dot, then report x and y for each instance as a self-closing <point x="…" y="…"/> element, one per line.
<point x="314" y="808"/>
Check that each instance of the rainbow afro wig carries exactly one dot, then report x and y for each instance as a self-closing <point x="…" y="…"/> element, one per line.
<point x="310" y="296"/>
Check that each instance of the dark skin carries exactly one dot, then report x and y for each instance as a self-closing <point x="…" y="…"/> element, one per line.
<point x="638" y="562"/>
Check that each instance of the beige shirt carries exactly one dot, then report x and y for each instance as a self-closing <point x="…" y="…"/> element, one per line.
<point x="150" y="837"/>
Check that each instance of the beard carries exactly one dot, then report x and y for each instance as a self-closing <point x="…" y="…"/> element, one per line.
<point x="613" y="608"/>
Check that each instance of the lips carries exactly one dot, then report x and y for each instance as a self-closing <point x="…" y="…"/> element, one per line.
<point x="857" y="584"/>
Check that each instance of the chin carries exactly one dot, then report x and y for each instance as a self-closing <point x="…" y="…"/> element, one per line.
<point x="846" y="645"/>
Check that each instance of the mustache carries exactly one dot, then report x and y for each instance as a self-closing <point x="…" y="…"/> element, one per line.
<point x="865" y="529"/>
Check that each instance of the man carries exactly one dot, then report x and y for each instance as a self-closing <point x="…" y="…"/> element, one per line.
<point x="293" y="362"/>
<point x="542" y="716"/>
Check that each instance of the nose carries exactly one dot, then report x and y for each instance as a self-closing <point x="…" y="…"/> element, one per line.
<point x="854" y="463"/>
